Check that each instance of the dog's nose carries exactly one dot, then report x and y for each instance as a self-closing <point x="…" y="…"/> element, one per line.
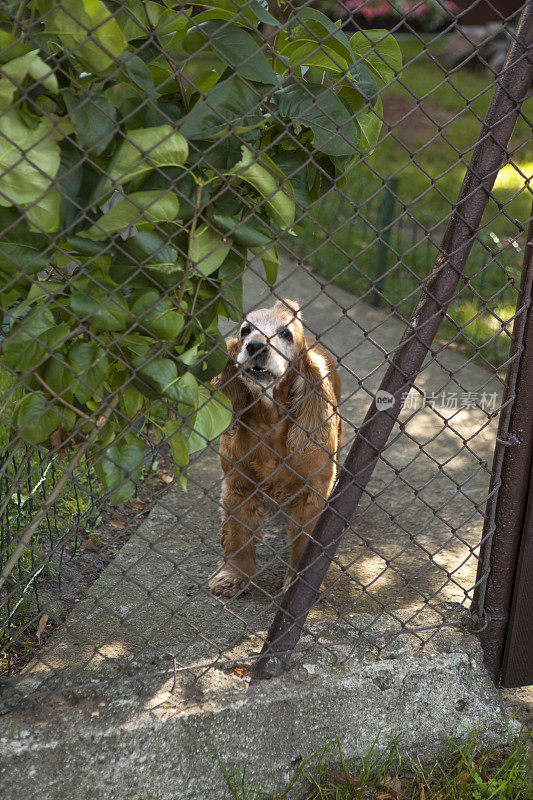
<point x="254" y="347"/>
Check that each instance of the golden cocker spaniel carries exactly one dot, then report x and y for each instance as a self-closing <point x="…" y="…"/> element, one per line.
<point x="283" y="441"/>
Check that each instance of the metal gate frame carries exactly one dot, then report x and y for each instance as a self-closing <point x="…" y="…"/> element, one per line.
<point x="503" y="601"/>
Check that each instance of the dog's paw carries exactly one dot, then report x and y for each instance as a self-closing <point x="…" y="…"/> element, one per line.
<point x="228" y="582"/>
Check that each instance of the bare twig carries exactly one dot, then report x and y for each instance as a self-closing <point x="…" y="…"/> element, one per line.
<point x="55" y="493"/>
<point x="58" y="397"/>
<point x="18" y="17"/>
<point x="192" y="231"/>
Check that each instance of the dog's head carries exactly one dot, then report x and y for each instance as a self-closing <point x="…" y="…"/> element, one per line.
<point x="271" y="357"/>
<point x="269" y="342"/>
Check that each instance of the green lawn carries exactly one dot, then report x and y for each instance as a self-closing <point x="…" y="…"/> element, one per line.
<point x="340" y="240"/>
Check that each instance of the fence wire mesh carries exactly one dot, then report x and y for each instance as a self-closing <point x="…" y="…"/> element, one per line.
<point x="281" y="176"/>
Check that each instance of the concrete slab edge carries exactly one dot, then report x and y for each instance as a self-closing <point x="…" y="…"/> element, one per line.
<point x="166" y="746"/>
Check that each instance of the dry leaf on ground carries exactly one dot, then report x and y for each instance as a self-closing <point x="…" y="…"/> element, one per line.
<point x="393" y="787"/>
<point x="344" y="778"/>
<point x="41" y="626"/>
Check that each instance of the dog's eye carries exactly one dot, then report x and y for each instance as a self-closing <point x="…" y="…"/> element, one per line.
<point x="286" y="334"/>
<point x="245" y="330"/>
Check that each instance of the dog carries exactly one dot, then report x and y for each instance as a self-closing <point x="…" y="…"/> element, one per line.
<point x="283" y="442"/>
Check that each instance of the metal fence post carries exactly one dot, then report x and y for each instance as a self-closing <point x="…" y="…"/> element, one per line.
<point x="386" y="220"/>
<point x="508" y="497"/>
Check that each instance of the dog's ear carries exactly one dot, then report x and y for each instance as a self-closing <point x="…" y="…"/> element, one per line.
<point x="312" y="403"/>
<point x="229" y="382"/>
<point x="289" y="306"/>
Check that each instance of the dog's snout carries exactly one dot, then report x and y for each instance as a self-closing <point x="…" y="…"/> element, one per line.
<point x="255" y="347"/>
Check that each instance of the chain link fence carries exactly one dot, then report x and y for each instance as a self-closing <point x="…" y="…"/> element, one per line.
<point x="283" y="178"/>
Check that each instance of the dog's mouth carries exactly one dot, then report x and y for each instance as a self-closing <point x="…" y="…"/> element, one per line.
<point x="259" y="373"/>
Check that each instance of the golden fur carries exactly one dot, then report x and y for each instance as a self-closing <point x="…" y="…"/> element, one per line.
<point x="281" y="446"/>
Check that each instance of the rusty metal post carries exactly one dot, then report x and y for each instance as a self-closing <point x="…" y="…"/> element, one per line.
<point x="513" y="86"/>
<point x="508" y="496"/>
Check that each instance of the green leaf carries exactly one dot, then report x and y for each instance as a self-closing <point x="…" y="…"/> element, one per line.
<point x="142" y="151"/>
<point x="188" y="397"/>
<point x="208" y="250"/>
<point x="32" y="339"/>
<point x="69" y="181"/>
<point x="230" y="277"/>
<point x="270" y="259"/>
<point x="262" y="173"/>
<point x="157" y="315"/>
<point x="381" y="52"/>
<point x="184" y="184"/>
<point x="20" y="256"/>
<point x="10" y="47"/>
<point x="94" y="118"/>
<point x="178" y="446"/>
<point x="103" y="310"/>
<point x="236" y="46"/>
<point x="131" y="401"/>
<point x="249" y="14"/>
<point x="202" y="70"/>
<point x="311" y="53"/>
<point x="308" y="23"/>
<point x="370" y="123"/>
<point x="227" y="105"/>
<point x="355" y="100"/>
<point x="296" y="167"/>
<point x="212" y="418"/>
<point x="29" y="159"/>
<point x="87" y="29"/>
<point x="44" y="216"/>
<point x="138" y="72"/>
<point x="84" y="247"/>
<point x="361" y="78"/>
<point x="35" y="419"/>
<point x="38" y="290"/>
<point x="16" y="71"/>
<point x="138" y="208"/>
<point x="120" y="467"/>
<point x="335" y="132"/>
<point x="157" y="377"/>
<point x="246" y="234"/>
<point x="59" y="378"/>
<point x="90" y="364"/>
<point x="148" y="253"/>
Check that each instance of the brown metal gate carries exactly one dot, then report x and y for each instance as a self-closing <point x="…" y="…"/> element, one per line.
<point x="504" y="597"/>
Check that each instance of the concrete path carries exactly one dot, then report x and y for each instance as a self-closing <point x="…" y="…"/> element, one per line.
<point x="411" y="548"/>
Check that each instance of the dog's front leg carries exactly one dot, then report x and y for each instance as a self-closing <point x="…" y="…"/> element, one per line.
<point x="241" y="517"/>
<point x="303" y="514"/>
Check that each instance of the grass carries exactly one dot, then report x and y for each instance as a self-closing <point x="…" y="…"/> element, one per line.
<point x="18" y="598"/>
<point x="461" y="771"/>
<point x="339" y="239"/>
